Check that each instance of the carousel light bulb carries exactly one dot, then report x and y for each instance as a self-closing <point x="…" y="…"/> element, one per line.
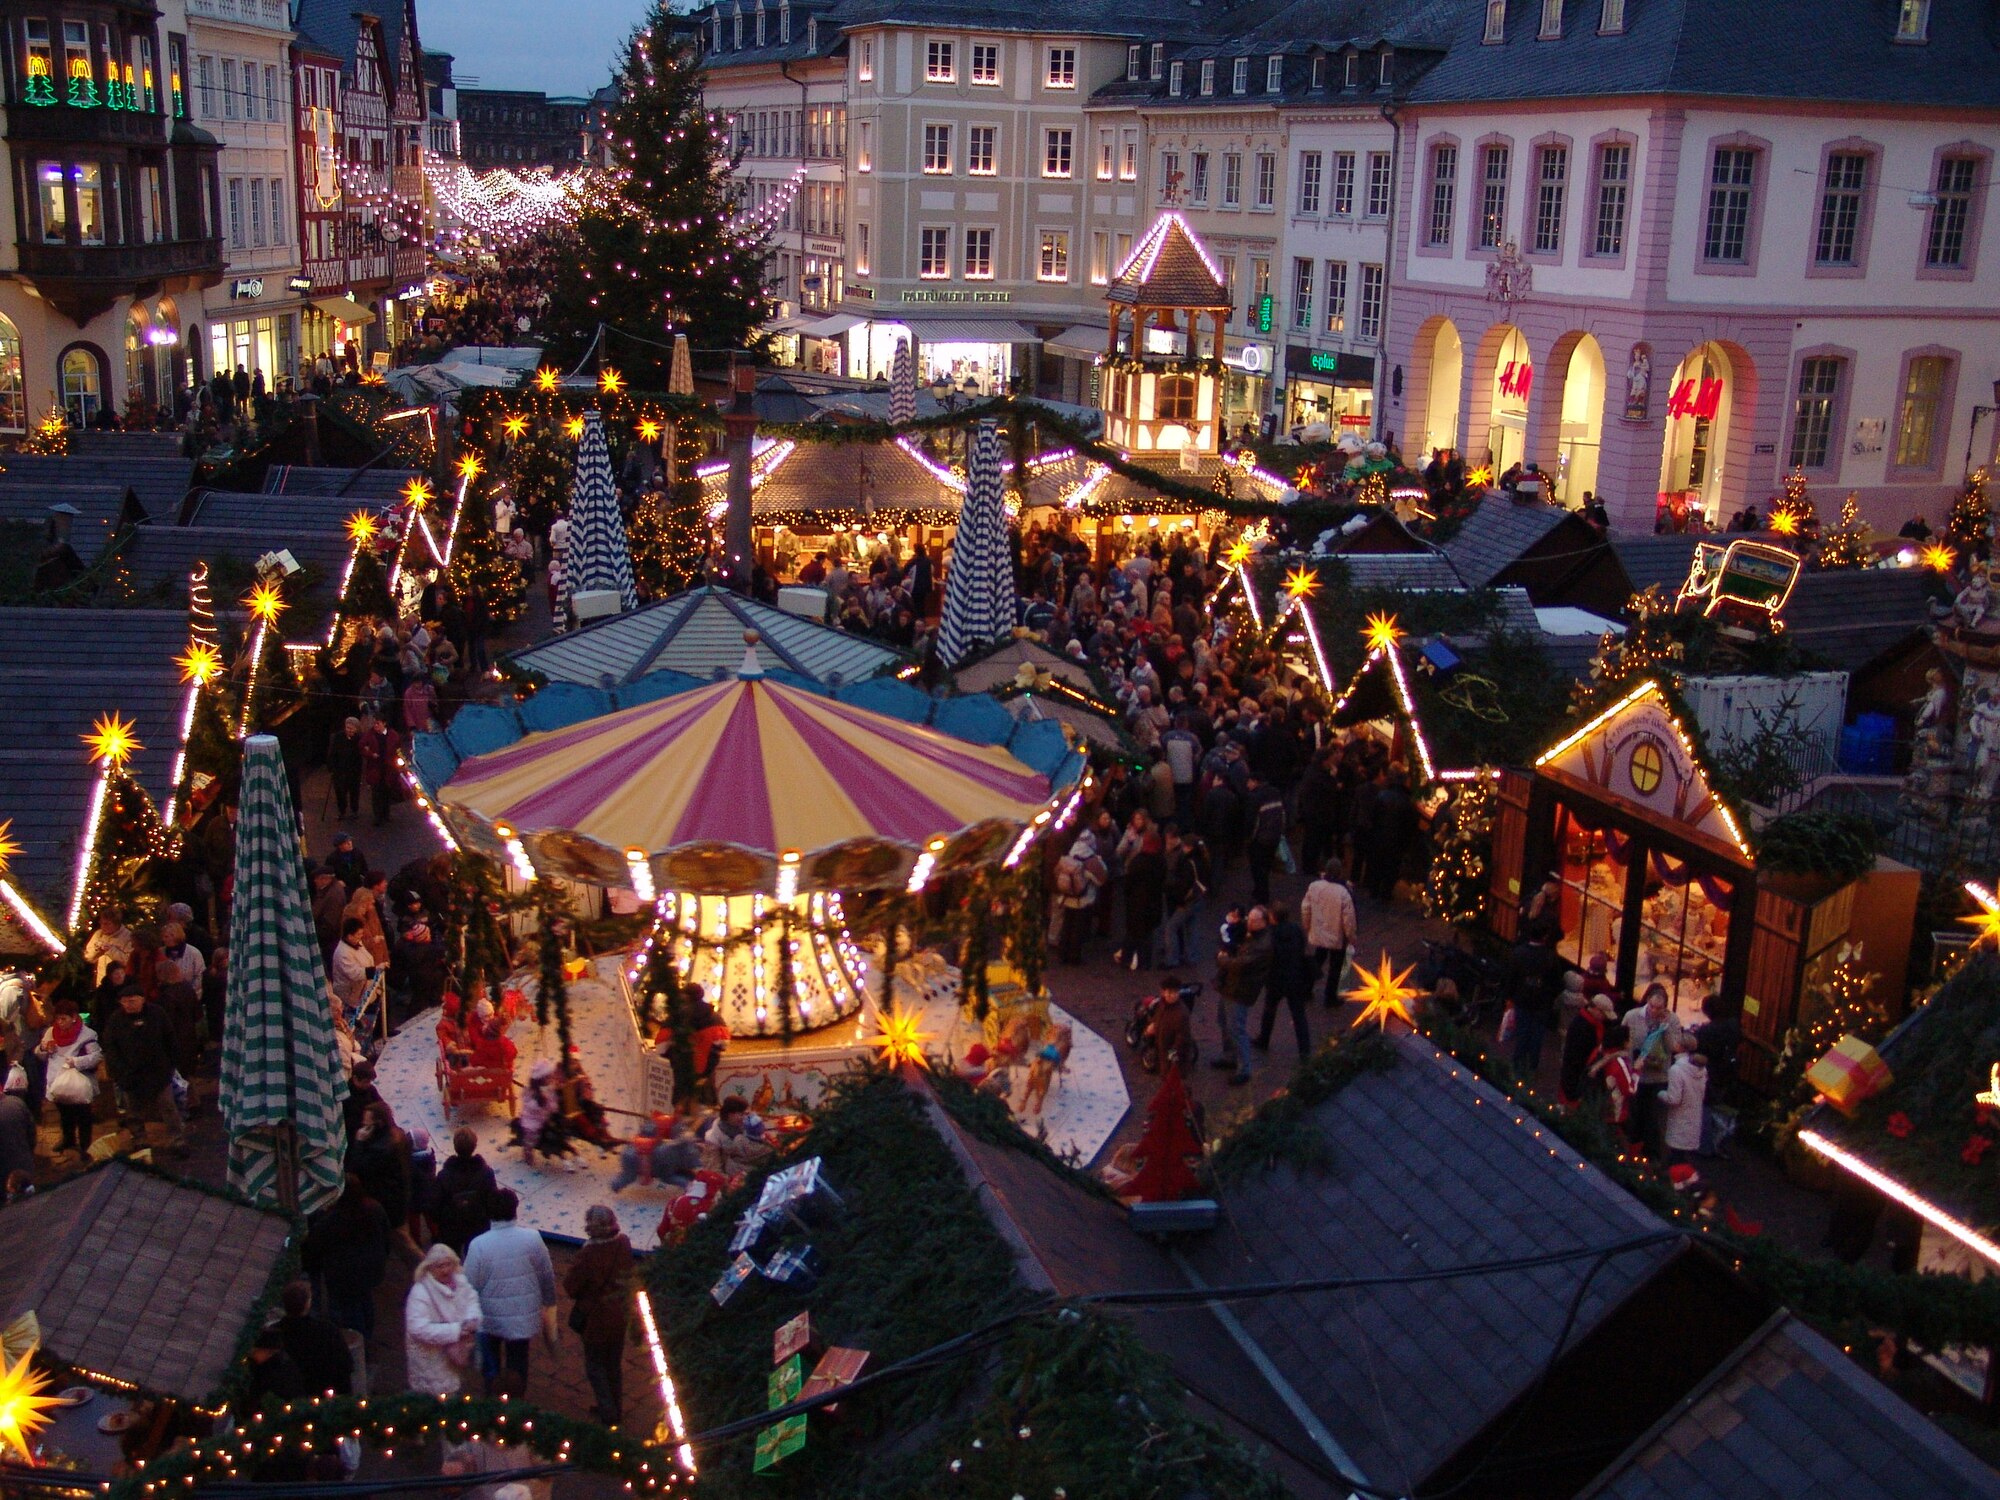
<point x="641" y="871"/>
<point x="788" y="875"/>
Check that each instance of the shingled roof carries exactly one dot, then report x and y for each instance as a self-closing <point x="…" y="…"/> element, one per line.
<point x="384" y="485"/>
<point x="1851" y="617"/>
<point x="139" y="1278"/>
<point x="1791" y="1415"/>
<point x="1496" y="534"/>
<point x="1168" y="269"/>
<point x="866" y="478"/>
<point x="160" y="483"/>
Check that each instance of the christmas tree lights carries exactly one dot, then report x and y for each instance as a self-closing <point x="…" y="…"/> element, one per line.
<point x="1846" y="546"/>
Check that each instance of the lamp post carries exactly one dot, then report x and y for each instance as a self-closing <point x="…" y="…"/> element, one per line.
<point x="1972" y="428"/>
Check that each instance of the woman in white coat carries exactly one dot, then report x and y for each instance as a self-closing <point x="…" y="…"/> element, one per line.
<point x="71" y="1055"/>
<point x="439" y="1321"/>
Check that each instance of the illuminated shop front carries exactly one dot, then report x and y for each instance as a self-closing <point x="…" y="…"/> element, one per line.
<point x="1330" y="386"/>
<point x="974" y="356"/>
<point x="1698" y="402"/>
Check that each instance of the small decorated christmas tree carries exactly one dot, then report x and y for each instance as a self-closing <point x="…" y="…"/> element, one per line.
<point x="479" y="563"/>
<point x="1793" y="513"/>
<point x="1846" y="546"/>
<point x="367" y="594"/>
<point x="51" y="434"/>
<point x="1648" y="648"/>
<point x="1455" y="889"/>
<point x="1837" y="1003"/>
<point x="1971" y="514"/>
<point x="669" y="538"/>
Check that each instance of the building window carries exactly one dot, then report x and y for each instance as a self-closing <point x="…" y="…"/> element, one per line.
<point x="40" y="87"/>
<point x="1302" y="295"/>
<point x="236" y="213"/>
<point x="1175" y="75"/>
<point x="865" y="68"/>
<point x="1951" y="218"/>
<point x="1156" y="60"/>
<point x="1552" y="21"/>
<point x="54" y="201"/>
<point x="1343" y="183"/>
<point x="986" y="62"/>
<point x="1232" y="180"/>
<point x="1496" y="21"/>
<point x="1336" y="296"/>
<point x="204" y="84"/>
<point x="1100" y="251"/>
<point x="1369" y="322"/>
<point x="1812" y="413"/>
<point x="1054" y="260"/>
<point x="864" y="149"/>
<point x="1173" y="398"/>
<point x="1840" y="209"/>
<point x="1309" y="181"/>
<point x="939" y="64"/>
<point x="1239" y="76"/>
<point x="933" y="253"/>
<point x="82" y="385"/>
<point x="1444" y="194"/>
<point x="1351" y="71"/>
<point x="1493" y="197"/>
<point x="1170" y="176"/>
<point x="1551" y="195"/>
<point x="1107" y="150"/>
<point x="1731" y="176"/>
<point x="1198" y="177"/>
<point x="1267" y="180"/>
<point x="1379" y="184"/>
<point x="1207" y="76"/>
<point x="1614" y="182"/>
<point x="1274" y="75"/>
<point x="1128" y="158"/>
<point x="1057" y="149"/>
<point x="1062" y="68"/>
<point x="979" y="150"/>
<point x="1611" y="20"/>
<point x="1319" y="70"/>
<point x="1913" y="21"/>
<point x="257" y="211"/>
<point x="1919" y="432"/>
<point x="862" y="259"/>
<point x="978" y="255"/>
<point x="1385" y="69"/>
<point x="1132" y="56"/>
<point x="937" y="150"/>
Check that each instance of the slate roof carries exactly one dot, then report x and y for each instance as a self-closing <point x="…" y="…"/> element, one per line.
<point x="139" y="1278"/>
<point x="1725" y="47"/>
<point x="1168" y="269"/>
<point x="1400" y="570"/>
<point x="87" y="442"/>
<point x="1852" y="617"/>
<point x="336" y="23"/>
<point x="840" y="477"/>
<point x="698" y="632"/>
<point x="1792" y="1416"/>
<point x="60" y="669"/>
<point x="277" y="516"/>
<point x="169" y="553"/>
<point x="377" y="484"/>
<point x="102" y="510"/>
<point x="1662" y="560"/>
<point x="1132" y="18"/>
<point x="1430" y="1168"/>
<point x="160" y="483"/>
<point x="1496" y="534"/>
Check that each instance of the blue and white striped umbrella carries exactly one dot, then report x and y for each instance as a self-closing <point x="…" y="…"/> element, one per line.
<point x="903" y="384"/>
<point x="597" y="557"/>
<point x="979" y="601"/>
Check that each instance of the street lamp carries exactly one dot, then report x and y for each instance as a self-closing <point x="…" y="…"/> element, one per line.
<point x="1972" y="428"/>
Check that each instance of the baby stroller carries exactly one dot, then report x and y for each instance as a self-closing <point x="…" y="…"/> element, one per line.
<point x="1184" y="1056"/>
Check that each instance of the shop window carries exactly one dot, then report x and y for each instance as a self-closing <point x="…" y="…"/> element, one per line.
<point x="82" y="384"/>
<point x="13" y="396"/>
<point x="54" y="202"/>
<point x="89" y="180"/>
<point x="1920" y="422"/>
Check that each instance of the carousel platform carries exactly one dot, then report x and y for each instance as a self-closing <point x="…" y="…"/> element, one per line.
<point x="1085" y="1102"/>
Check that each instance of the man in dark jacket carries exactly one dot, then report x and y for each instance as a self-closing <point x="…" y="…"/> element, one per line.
<point x="1395" y="829"/>
<point x="1320" y="805"/>
<point x="139" y="1051"/>
<point x="1290" y="983"/>
<point x="1244" y="973"/>
<point x="316" y="1345"/>
<point x="1265" y="826"/>
<point x="462" y="1196"/>
<point x="418" y="961"/>
<point x="1534" y="983"/>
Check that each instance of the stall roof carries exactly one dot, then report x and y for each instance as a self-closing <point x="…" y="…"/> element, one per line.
<point x="996" y="671"/>
<point x="867" y="478"/>
<point x="159" y="483"/>
<point x="102" y="511"/>
<point x="1080" y="342"/>
<point x="1497" y="533"/>
<point x="1656" y="560"/>
<point x="276" y="516"/>
<point x="1400" y="570"/>
<point x="381" y="485"/>
<point x="167" y="554"/>
<point x="700" y="632"/>
<point x="1853" y="616"/>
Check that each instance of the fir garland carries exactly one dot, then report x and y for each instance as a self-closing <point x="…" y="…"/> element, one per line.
<point x="974" y="982"/>
<point x="552" y="992"/>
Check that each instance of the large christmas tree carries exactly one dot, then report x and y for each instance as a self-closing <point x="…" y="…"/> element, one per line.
<point x="658" y="249"/>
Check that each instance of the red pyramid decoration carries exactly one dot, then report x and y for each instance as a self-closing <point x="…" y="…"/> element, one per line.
<point x="1169" y="1148"/>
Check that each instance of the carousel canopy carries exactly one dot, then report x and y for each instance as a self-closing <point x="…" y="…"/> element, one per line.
<point x="703" y="791"/>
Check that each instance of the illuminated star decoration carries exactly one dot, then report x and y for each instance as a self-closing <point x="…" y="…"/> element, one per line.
<point x="1986" y="925"/>
<point x="898" y="1040"/>
<point x="1480" y="477"/>
<point x="514" y="426"/>
<point x="546" y="378"/>
<point x="1383" y="994"/>
<point x="649" y="431"/>
<point x="111" y="740"/>
<point x="23" y="1407"/>
<point x="574" y="427"/>
<point x="1988" y="1096"/>
<point x="470" y="467"/>
<point x="9" y="846"/>
<point x="611" y="382"/>
<point x="1381" y="632"/>
<point x="1785" y="523"/>
<point x="199" y="663"/>
<point x="417" y="493"/>
<point x="1239" y="553"/>
<point x="361" y="527"/>
<point x="1301" y="581"/>
<point x="264" y="602"/>
<point x="1938" y="557"/>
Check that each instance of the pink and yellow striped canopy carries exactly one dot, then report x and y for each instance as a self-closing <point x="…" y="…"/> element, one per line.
<point x="709" y="788"/>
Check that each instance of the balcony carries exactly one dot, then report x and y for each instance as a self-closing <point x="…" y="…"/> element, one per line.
<point x="81" y="281"/>
<point x="63" y="124"/>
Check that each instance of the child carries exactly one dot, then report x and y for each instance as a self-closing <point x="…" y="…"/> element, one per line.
<point x="541" y="1126"/>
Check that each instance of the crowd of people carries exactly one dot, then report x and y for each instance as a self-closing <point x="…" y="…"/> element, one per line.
<point x="498" y="300"/>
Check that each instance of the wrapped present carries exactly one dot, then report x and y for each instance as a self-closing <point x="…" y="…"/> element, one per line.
<point x="1851" y="1072"/>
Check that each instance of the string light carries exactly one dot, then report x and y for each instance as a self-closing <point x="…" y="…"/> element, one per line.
<point x="1889" y="1187"/>
<point x="674" y="1423"/>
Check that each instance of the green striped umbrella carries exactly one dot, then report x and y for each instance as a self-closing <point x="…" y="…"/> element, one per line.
<point x="282" y="1080"/>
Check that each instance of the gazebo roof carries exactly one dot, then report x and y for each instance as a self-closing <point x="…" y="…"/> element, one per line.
<point x="1170" y="268"/>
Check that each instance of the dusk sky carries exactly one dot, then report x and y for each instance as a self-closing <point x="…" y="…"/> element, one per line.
<point x="557" y="46"/>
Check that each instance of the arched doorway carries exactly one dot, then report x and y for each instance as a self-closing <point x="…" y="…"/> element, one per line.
<point x="1698" y="400"/>
<point x="1582" y="429"/>
<point x="82" y="372"/>
<point x="1447" y="356"/>
<point x="13" y="391"/>
<point x="167" y="377"/>
<point x="139" y="378"/>
<point x="1513" y="383"/>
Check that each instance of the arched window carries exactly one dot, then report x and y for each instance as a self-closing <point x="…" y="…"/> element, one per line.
<point x="82" y="384"/>
<point x="1174" y="401"/>
<point x="13" y="396"/>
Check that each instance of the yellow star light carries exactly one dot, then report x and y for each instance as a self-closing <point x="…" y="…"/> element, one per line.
<point x="200" y="663"/>
<point x="1785" y="523"/>
<point x="899" y="1041"/>
<point x="1383" y="994"/>
<point x="1301" y="581"/>
<point x="1381" y="632"/>
<point x="264" y="602"/>
<point x="649" y="431"/>
<point x="574" y="427"/>
<point x="23" y="1407"/>
<point x="611" y="382"/>
<point x="1988" y="1096"/>
<point x="1238" y="554"/>
<point x="1986" y="925"/>
<point x="1480" y="477"/>
<point x="361" y="527"/>
<point x="546" y="378"/>
<point x="514" y="426"/>
<point x="1938" y="557"/>
<point x="111" y="740"/>
<point x="469" y="467"/>
<point x="9" y="845"/>
<point x="418" y="493"/>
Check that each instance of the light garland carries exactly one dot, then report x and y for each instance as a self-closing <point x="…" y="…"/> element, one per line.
<point x="31" y="919"/>
<point x="672" y="1421"/>
<point x="1890" y="1188"/>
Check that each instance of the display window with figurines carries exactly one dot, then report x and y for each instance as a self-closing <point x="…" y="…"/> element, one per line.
<point x="1683" y="932"/>
<point x="1593" y="875"/>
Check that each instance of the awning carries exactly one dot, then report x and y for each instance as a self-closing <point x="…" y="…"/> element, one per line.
<point x="346" y="309"/>
<point x="796" y="323"/>
<point x="1087" y="344"/>
<point x="966" y="331"/>
<point x="826" y="328"/>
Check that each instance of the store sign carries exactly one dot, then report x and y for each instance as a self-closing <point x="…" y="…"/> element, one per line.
<point x="1326" y="361"/>
<point x="1264" y="313"/>
<point x="1517" y="378"/>
<point x="1696" y="398"/>
<point x="410" y="294"/>
<point x="246" y="287"/>
<point x="1252" y="359"/>
<point x="953" y="294"/>
<point x="866" y="293"/>
<point x="299" y="284"/>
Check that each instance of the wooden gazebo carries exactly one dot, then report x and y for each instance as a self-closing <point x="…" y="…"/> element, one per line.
<point x="1163" y="393"/>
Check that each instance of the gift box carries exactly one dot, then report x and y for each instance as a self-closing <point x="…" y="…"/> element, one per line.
<point x="1851" y="1072"/>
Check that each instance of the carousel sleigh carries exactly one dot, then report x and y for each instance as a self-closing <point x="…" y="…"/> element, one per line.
<point x="466" y="1083"/>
